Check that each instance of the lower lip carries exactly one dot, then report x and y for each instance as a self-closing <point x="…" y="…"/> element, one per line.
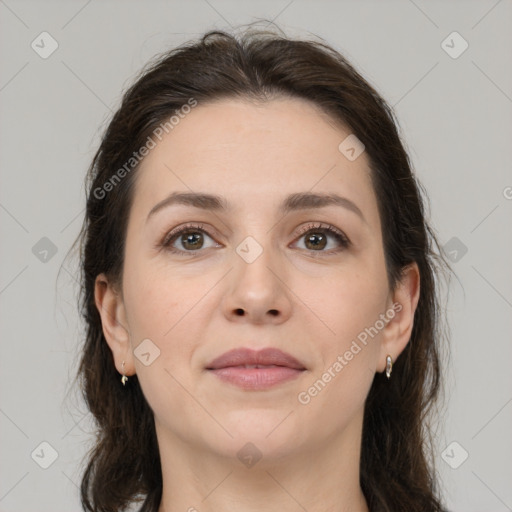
<point x="256" y="378"/>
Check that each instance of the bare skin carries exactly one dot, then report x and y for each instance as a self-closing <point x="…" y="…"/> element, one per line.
<point x="311" y="301"/>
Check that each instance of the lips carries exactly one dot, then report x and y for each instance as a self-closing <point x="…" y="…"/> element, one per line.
<point x="253" y="370"/>
<point x="247" y="358"/>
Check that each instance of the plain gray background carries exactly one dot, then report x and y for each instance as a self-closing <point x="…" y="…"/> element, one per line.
<point x="455" y="117"/>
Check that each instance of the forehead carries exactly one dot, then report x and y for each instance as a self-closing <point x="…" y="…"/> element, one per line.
<point x="235" y="128"/>
<point x="242" y="149"/>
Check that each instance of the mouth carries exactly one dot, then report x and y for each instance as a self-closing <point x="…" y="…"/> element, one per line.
<point x="256" y="370"/>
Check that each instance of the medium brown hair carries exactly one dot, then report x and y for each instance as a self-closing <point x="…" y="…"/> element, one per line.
<point x="396" y="466"/>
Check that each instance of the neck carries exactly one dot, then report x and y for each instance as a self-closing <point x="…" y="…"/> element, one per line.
<point x="321" y="478"/>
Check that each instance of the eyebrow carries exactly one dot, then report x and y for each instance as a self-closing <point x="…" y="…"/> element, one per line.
<point x="293" y="202"/>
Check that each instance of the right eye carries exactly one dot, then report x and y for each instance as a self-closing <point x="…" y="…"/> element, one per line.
<point x="191" y="238"/>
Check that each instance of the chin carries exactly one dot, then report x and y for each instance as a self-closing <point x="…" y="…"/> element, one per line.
<point x="273" y="432"/>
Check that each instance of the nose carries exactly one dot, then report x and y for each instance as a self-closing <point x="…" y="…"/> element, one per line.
<point x="257" y="291"/>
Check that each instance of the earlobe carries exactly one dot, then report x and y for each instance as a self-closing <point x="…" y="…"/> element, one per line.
<point x="110" y="305"/>
<point x="399" y="329"/>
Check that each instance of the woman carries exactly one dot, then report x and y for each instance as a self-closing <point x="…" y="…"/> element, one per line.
<point x="259" y="290"/>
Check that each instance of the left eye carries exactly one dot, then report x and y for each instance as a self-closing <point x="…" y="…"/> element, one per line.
<point x="317" y="239"/>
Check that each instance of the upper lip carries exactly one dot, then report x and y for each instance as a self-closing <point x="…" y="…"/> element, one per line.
<point x="246" y="356"/>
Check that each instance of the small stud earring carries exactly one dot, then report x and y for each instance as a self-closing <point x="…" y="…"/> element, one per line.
<point x="389" y="366"/>
<point x="124" y="378"/>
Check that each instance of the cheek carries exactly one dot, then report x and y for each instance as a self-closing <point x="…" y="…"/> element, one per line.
<point x="348" y="307"/>
<point x="156" y="296"/>
<point x="170" y="308"/>
<point x="161" y="308"/>
<point x="344" y="302"/>
<point x="348" y="348"/>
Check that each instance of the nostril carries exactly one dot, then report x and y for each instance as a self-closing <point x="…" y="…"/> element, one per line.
<point x="239" y="312"/>
<point x="274" y="312"/>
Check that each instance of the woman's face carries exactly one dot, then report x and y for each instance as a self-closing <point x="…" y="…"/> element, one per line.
<point x="258" y="270"/>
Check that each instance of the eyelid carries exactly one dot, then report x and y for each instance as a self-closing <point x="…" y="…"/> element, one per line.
<point x="342" y="238"/>
<point x="323" y="226"/>
<point x="180" y="229"/>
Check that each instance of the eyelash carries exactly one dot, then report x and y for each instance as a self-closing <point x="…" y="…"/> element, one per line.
<point x="318" y="227"/>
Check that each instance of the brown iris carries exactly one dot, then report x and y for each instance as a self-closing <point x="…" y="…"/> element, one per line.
<point x="317" y="240"/>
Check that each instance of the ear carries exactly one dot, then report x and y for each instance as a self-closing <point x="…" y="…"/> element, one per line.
<point x="397" y="332"/>
<point x="110" y="305"/>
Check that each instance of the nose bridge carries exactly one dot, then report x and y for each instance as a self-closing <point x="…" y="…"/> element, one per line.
<point x="257" y="289"/>
<point x="255" y="250"/>
<point x="253" y="263"/>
